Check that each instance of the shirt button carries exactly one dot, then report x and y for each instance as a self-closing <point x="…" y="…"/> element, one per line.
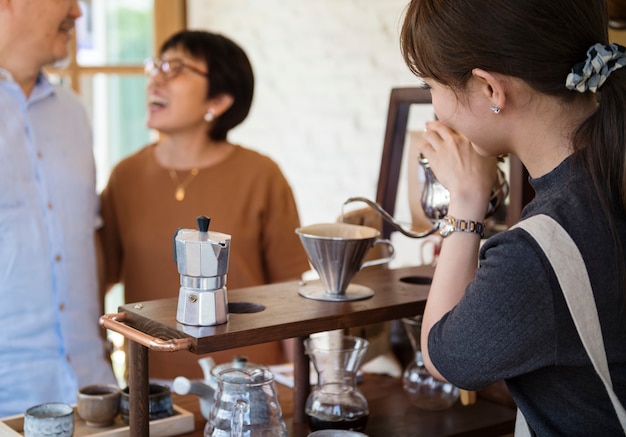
<point x="39" y="154"/>
<point x="67" y="358"/>
<point x="57" y="258"/>
<point x="49" y="205"/>
<point x="61" y="307"/>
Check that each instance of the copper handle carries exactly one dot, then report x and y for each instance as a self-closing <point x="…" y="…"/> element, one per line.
<point x="114" y="322"/>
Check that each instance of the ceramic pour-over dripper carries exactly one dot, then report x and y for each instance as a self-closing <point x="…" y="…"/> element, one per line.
<point x="336" y="251"/>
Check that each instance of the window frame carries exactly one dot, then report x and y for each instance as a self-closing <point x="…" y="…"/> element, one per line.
<point x="170" y="16"/>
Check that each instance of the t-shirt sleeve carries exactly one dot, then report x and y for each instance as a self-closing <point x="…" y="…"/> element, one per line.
<point x="505" y="320"/>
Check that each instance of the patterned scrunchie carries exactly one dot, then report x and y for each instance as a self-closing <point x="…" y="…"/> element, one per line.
<point x="601" y="61"/>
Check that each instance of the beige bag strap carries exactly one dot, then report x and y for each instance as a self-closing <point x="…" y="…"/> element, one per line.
<point x="571" y="272"/>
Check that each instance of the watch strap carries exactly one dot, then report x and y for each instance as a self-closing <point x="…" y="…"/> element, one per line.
<point x="459" y="225"/>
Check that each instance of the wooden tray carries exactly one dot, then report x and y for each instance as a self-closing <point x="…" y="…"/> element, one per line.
<point x="181" y="422"/>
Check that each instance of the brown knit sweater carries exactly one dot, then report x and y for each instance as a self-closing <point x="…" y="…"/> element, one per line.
<point x="246" y="196"/>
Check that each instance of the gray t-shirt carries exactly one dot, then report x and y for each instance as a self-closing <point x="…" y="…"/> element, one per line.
<point x="513" y="322"/>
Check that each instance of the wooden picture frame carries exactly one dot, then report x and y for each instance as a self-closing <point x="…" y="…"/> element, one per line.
<point x="400" y="103"/>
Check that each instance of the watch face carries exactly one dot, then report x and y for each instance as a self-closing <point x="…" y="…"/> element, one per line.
<point x="445" y="228"/>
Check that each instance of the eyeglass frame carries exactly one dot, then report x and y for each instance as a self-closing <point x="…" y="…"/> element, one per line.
<point x="153" y="66"/>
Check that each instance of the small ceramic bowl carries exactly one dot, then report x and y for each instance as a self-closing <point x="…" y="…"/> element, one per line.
<point x="53" y="419"/>
<point x="160" y="403"/>
<point x="98" y="404"/>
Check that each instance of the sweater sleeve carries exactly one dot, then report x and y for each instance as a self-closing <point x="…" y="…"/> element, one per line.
<point x="284" y="256"/>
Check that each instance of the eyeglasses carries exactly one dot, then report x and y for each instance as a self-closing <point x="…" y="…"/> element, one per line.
<point x="169" y="69"/>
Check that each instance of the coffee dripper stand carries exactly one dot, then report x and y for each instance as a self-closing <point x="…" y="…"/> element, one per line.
<point x="202" y="259"/>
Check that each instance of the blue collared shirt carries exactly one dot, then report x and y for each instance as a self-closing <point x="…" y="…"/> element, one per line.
<point x="50" y="340"/>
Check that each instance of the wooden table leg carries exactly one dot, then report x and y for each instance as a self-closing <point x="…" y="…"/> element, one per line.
<point x="139" y="390"/>
<point x="302" y="385"/>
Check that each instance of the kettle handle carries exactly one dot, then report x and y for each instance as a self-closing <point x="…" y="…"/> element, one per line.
<point x="236" y="421"/>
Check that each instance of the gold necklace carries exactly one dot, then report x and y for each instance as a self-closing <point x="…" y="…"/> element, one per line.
<point x="179" y="194"/>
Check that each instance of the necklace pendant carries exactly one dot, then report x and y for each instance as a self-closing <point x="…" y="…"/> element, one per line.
<point x="180" y="193"/>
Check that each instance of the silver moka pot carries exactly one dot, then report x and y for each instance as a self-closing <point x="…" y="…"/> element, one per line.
<point x="202" y="260"/>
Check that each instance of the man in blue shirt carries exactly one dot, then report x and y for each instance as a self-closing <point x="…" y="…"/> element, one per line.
<point x="50" y="341"/>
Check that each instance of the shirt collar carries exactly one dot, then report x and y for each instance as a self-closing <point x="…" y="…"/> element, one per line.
<point x="42" y="79"/>
<point x="42" y="89"/>
<point x="5" y="75"/>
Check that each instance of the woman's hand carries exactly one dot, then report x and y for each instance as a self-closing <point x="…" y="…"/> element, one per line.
<point x="468" y="176"/>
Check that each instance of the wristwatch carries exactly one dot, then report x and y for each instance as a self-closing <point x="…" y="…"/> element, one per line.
<point x="448" y="225"/>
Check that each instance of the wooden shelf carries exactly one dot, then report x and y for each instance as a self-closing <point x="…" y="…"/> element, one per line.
<point x="285" y="314"/>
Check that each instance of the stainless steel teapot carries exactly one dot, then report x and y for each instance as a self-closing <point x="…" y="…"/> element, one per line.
<point x="436" y="199"/>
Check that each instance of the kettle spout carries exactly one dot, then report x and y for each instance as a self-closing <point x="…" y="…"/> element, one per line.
<point x="389" y="219"/>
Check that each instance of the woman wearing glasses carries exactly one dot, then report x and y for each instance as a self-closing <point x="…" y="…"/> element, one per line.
<point x="200" y="87"/>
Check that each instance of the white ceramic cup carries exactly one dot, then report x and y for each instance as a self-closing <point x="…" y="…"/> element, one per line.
<point x="54" y="419"/>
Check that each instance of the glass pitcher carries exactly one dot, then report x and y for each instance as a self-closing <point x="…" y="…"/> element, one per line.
<point x="424" y="390"/>
<point x="246" y="405"/>
<point x="336" y="402"/>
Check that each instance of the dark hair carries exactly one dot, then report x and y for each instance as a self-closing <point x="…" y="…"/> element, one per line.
<point x="229" y="69"/>
<point x="537" y="41"/>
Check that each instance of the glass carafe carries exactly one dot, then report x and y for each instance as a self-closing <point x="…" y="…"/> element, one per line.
<point x="336" y="402"/>
<point x="424" y="390"/>
<point x="246" y="405"/>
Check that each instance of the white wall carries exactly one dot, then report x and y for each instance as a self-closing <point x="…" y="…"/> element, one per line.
<point x="324" y="71"/>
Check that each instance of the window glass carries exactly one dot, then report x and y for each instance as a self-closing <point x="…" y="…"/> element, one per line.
<point x="113" y="38"/>
<point x="118" y="112"/>
<point x="114" y="32"/>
